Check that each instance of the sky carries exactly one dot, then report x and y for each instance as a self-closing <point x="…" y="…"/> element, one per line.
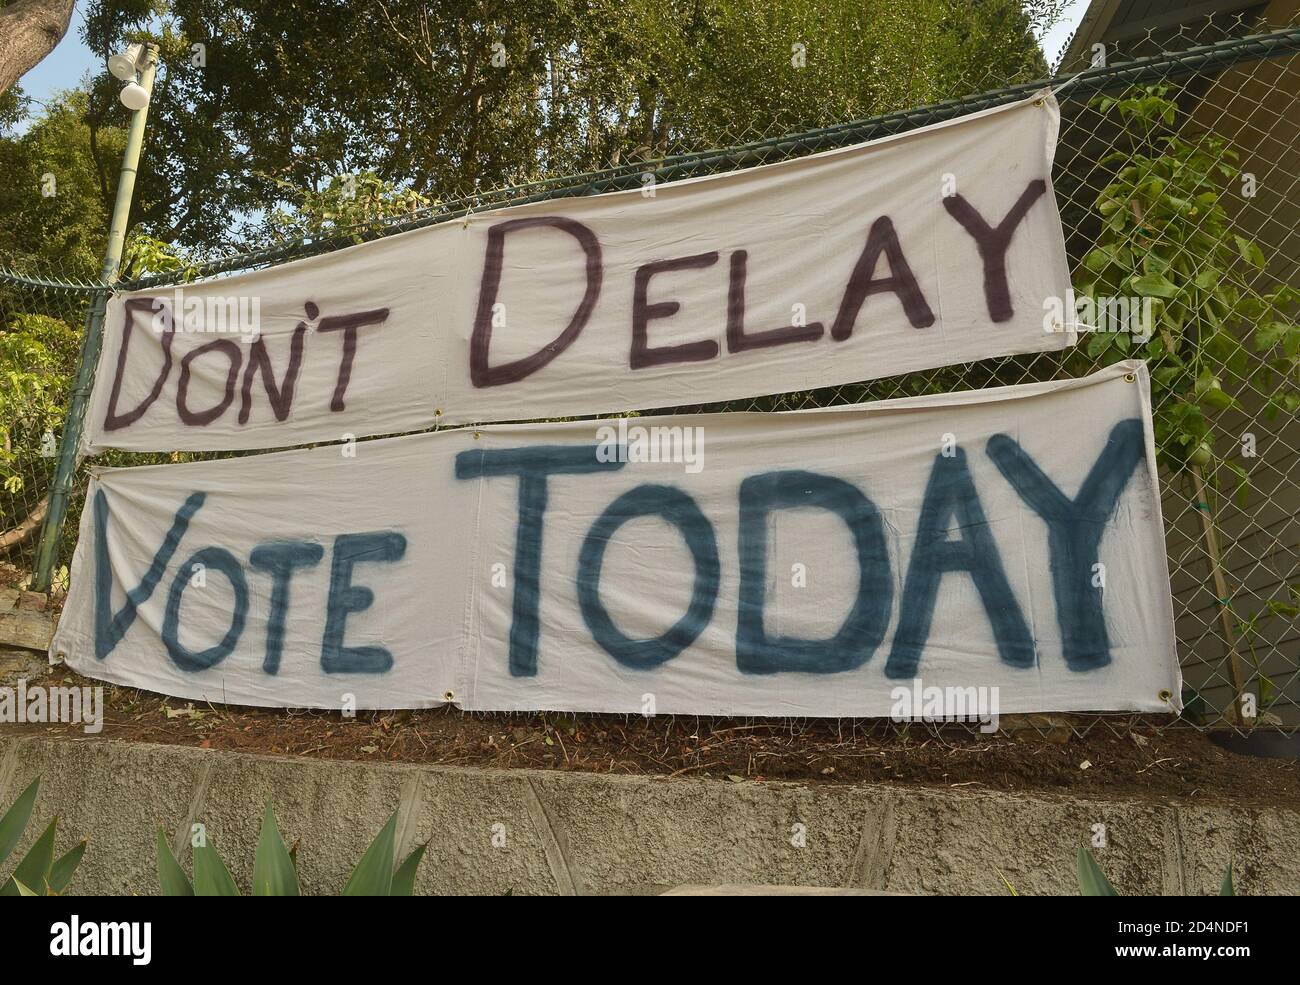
<point x="63" y="67"/>
<point x="71" y="59"/>
<point x="1055" y="40"/>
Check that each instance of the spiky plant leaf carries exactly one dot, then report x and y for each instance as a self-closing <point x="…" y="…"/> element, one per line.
<point x="14" y="822"/>
<point x="170" y="874"/>
<point x="373" y="875"/>
<point x="34" y="870"/>
<point x="211" y="877"/>
<point x="404" y="877"/>
<point x="65" y="866"/>
<point x="1092" y="881"/>
<point x="273" y="869"/>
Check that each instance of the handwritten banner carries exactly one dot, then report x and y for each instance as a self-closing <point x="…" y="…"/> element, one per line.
<point x="785" y="564"/>
<point x="930" y="248"/>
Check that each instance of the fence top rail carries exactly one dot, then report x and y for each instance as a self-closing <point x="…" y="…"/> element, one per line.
<point x="14" y="278"/>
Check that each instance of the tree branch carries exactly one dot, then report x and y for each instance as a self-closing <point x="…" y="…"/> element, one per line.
<point x="29" y="30"/>
<point x="16" y="536"/>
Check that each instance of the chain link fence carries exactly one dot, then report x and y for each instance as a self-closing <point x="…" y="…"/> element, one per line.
<point x="1175" y="175"/>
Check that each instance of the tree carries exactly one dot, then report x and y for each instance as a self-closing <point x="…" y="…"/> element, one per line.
<point x="54" y="204"/>
<point x="29" y="30"/>
<point x="55" y="224"/>
<point x="451" y="97"/>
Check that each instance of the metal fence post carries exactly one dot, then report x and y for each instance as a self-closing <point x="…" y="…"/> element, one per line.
<point x="61" y="490"/>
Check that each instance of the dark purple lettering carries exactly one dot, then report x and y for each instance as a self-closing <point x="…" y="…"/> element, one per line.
<point x="993" y="242"/>
<point x="482" y="374"/>
<point x="643" y="354"/>
<point x="114" y="421"/>
<point x="199" y="418"/>
<point x="862" y="282"/>
<point x="259" y="360"/>
<point x="348" y="325"/>
<point x="737" y="339"/>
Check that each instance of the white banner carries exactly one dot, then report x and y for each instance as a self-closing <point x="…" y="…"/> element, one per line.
<point x="807" y="563"/>
<point x="931" y="248"/>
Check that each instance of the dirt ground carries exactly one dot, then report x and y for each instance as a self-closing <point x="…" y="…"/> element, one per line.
<point x="1120" y="757"/>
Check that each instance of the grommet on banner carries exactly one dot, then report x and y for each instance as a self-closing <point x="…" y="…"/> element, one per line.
<point x="1129" y="378"/>
<point x="1165" y="696"/>
<point x="449" y="696"/>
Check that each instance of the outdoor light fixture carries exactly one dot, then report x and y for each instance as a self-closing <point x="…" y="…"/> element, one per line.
<point x="124" y="64"/>
<point x="134" y="96"/>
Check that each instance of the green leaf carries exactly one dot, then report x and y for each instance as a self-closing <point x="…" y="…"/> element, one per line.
<point x="1267" y="690"/>
<point x="1098" y="343"/>
<point x="1092" y="881"/>
<point x="34" y="869"/>
<point x="211" y="877"/>
<point x="64" y="867"/>
<point x="1216" y="398"/>
<point x="1154" y="286"/>
<point x="1281" y="607"/>
<point x="1226" y="888"/>
<point x="14" y="823"/>
<point x="1270" y="334"/>
<point x="19" y="889"/>
<point x="404" y="877"/>
<point x="1207" y="279"/>
<point x="170" y="874"/>
<point x="1250" y="251"/>
<point x="373" y="875"/>
<point x="273" y="870"/>
<point x="1097" y="259"/>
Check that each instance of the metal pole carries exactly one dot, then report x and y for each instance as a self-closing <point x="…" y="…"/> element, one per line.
<point x="61" y="490"/>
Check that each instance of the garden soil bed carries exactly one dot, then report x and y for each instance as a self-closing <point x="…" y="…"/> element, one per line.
<point x="1117" y="757"/>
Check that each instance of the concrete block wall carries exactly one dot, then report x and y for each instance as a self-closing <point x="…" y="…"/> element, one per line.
<point x="539" y="832"/>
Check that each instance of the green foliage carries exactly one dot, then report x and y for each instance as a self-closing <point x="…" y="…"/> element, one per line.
<point x="40" y="341"/>
<point x="1166" y="235"/>
<point x="274" y="873"/>
<point x="1251" y="633"/>
<point x="171" y="876"/>
<point x="37" y="358"/>
<point x="283" y="99"/>
<point x="144" y="254"/>
<point x="53" y="201"/>
<point x="58" y="189"/>
<point x="40" y="872"/>
<point x="275" y="867"/>
<point x="346" y="206"/>
<point x="1093" y="882"/>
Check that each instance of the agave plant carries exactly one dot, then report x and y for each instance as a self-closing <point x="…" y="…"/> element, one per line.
<point x="39" y="873"/>
<point x="275" y="867"/>
<point x="1093" y="882"/>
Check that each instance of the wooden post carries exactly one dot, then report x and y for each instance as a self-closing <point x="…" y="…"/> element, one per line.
<point x="1202" y="504"/>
